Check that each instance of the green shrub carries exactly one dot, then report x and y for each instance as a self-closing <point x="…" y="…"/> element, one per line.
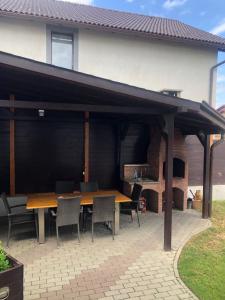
<point x="4" y="262"/>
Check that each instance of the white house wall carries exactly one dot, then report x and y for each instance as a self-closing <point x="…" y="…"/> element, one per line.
<point x="23" y="38"/>
<point x="136" y="61"/>
<point x="154" y="65"/>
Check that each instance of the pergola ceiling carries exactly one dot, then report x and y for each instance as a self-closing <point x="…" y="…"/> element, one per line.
<point x="34" y="82"/>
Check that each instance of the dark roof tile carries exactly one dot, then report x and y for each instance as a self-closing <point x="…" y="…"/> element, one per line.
<point x="113" y="20"/>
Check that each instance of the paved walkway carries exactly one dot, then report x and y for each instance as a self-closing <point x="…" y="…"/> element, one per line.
<point x="133" y="266"/>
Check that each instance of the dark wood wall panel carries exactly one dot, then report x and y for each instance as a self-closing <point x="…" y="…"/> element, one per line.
<point x="49" y="150"/>
<point x="103" y="154"/>
<point x="195" y="159"/>
<point x="134" y="145"/>
<point x="46" y="152"/>
<point x="219" y="164"/>
<point x="4" y="156"/>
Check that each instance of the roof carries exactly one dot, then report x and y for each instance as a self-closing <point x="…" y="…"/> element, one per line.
<point x="39" y="85"/>
<point x="105" y="19"/>
<point x="221" y="109"/>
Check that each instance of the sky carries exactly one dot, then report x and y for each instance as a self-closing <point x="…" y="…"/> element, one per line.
<point x="208" y="15"/>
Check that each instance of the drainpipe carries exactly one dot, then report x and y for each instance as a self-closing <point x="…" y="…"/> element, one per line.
<point x="214" y="145"/>
<point x="211" y="78"/>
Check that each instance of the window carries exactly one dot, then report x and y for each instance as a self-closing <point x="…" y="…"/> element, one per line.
<point x="173" y="93"/>
<point x="62" y="50"/>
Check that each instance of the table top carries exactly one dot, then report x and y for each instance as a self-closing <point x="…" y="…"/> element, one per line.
<point x="48" y="200"/>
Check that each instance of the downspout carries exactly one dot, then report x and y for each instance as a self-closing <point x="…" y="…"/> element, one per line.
<point x="211" y="78"/>
<point x="214" y="145"/>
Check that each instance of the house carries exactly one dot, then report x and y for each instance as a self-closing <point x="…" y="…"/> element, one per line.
<point x="149" y="52"/>
<point x="107" y="101"/>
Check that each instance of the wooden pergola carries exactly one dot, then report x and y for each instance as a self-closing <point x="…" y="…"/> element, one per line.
<point x="27" y="86"/>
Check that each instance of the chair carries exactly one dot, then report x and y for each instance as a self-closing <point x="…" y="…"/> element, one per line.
<point x="103" y="211"/>
<point x="62" y="187"/>
<point x="134" y="204"/>
<point x="88" y="186"/>
<point x="91" y="186"/>
<point x="68" y="213"/>
<point x="18" y="217"/>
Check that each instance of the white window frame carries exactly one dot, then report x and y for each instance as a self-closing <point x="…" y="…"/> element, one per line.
<point x="62" y="30"/>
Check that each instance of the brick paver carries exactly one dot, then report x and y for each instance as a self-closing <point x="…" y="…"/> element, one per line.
<point x="133" y="266"/>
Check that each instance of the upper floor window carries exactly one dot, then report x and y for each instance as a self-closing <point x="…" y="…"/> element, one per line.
<point x="62" y="50"/>
<point x="173" y="93"/>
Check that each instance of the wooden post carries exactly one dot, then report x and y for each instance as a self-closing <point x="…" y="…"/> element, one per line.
<point x="12" y="151"/>
<point x="86" y="146"/>
<point x="211" y="175"/>
<point x="206" y="178"/>
<point x="169" y="130"/>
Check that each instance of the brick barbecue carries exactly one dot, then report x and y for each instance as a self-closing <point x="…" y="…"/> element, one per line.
<point x="151" y="174"/>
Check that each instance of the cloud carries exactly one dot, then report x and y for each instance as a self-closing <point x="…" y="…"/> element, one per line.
<point x="220" y="91"/>
<point x="202" y="13"/>
<point x="87" y="2"/>
<point x="170" y="4"/>
<point x="129" y="1"/>
<point x="185" y="12"/>
<point x="221" y="78"/>
<point x="220" y="28"/>
<point x="151" y="13"/>
<point x="220" y="86"/>
<point x="220" y="102"/>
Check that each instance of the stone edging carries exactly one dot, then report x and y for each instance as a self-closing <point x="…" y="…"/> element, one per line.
<point x="178" y="253"/>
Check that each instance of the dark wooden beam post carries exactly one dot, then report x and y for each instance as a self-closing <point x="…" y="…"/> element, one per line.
<point x="169" y="130"/>
<point x="12" y="151"/>
<point x="212" y="145"/>
<point x="86" y="146"/>
<point x="206" y="178"/>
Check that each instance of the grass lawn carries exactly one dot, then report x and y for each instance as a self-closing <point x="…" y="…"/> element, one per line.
<point x="202" y="261"/>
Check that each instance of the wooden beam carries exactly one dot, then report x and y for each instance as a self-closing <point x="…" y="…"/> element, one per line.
<point x="12" y="150"/>
<point x="212" y="144"/>
<point x="201" y="136"/>
<point x="80" y="107"/>
<point x="212" y="115"/>
<point x="169" y="130"/>
<point x="85" y="81"/>
<point x="86" y="146"/>
<point x="206" y="178"/>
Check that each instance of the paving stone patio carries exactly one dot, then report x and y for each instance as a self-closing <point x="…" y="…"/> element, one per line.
<point x="133" y="266"/>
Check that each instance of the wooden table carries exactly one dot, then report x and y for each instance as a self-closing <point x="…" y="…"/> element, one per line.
<point x="49" y="200"/>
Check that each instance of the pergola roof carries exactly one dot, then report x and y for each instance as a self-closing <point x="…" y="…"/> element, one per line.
<point x="38" y="85"/>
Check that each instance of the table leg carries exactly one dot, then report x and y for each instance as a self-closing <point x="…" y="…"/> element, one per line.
<point x="117" y="218"/>
<point x="41" y="225"/>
